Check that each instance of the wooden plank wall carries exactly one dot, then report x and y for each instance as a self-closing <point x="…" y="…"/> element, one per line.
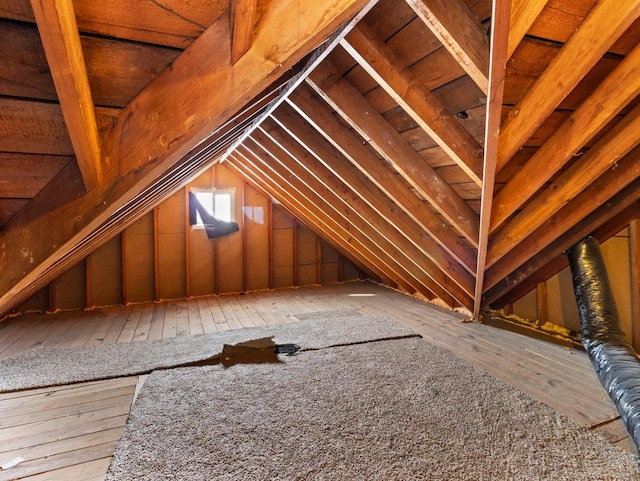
<point x="161" y="257"/>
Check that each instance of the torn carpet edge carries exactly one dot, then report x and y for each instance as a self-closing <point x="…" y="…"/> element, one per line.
<point x="52" y="367"/>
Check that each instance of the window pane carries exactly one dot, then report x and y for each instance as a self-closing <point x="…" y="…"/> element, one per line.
<point x="223" y="206"/>
<point x="206" y="199"/>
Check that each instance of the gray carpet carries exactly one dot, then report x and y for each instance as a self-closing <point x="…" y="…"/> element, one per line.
<point x="52" y="367"/>
<point x="389" y="410"/>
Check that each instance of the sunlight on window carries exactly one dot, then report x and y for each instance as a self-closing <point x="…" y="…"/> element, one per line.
<point x="217" y="203"/>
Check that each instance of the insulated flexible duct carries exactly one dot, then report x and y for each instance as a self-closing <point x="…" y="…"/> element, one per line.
<point x="615" y="361"/>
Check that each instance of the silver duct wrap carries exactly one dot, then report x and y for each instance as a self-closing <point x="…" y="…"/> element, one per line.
<point x="615" y="361"/>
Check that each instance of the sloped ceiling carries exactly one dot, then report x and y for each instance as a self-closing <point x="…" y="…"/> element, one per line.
<point x="451" y="150"/>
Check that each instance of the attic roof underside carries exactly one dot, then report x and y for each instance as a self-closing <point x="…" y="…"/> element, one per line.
<point x="447" y="149"/>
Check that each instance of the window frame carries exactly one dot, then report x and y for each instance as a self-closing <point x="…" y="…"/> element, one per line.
<point x="232" y="197"/>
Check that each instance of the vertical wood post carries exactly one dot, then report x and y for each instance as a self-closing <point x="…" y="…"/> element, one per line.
<point x="634" y="261"/>
<point x="270" y="240"/>
<point x="123" y="256"/>
<point x="543" y="305"/>
<point x="216" y="280"/>
<point x="318" y="260"/>
<point x="156" y="257"/>
<point x="243" y="228"/>
<point x="294" y="223"/>
<point x="88" y="285"/>
<point x="187" y="245"/>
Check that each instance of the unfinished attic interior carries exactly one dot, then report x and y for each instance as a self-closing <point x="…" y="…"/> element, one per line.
<point x="334" y="179"/>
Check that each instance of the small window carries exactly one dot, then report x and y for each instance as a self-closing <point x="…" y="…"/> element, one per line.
<point x="219" y="203"/>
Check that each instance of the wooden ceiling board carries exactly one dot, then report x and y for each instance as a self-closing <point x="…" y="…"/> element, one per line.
<point x="172" y="23"/>
<point x="387" y="18"/>
<point x="8" y="208"/>
<point x="24" y="175"/>
<point x="33" y="127"/>
<point x="119" y="70"/>
<point x="25" y="71"/>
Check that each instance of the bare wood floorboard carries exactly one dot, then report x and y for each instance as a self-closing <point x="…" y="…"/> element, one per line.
<point x="70" y="432"/>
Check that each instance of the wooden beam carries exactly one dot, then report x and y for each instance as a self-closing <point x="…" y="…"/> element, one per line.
<point x="318" y="232"/>
<point x="620" y="87"/>
<point x="499" y="34"/>
<point x="553" y="260"/>
<point x="523" y="14"/>
<point x="543" y="303"/>
<point x="58" y="29"/>
<point x="356" y="110"/>
<point x="346" y="185"/>
<point x="439" y="264"/>
<point x="307" y="209"/>
<point x="634" y="259"/>
<point x="381" y="174"/>
<point x="379" y="61"/>
<point x="598" y="193"/>
<point x="606" y="22"/>
<point x="605" y="212"/>
<point x="258" y="183"/>
<point x="331" y="195"/>
<point x="462" y="34"/>
<point x="605" y="154"/>
<point x="243" y="19"/>
<point x="169" y="133"/>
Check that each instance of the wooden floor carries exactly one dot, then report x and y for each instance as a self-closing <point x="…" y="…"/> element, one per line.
<point x="70" y="432"/>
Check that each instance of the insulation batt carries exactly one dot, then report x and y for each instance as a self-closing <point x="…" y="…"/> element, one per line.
<point x="616" y="363"/>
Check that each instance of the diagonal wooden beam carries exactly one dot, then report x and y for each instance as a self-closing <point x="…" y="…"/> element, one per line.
<point x="499" y="35"/>
<point x="379" y="61"/>
<point x="604" y="155"/>
<point x="340" y="167"/>
<point x="606" y="22"/>
<point x="178" y="126"/>
<point x="347" y="204"/>
<point x="318" y="114"/>
<point x="462" y="34"/>
<point x="335" y="234"/>
<point x="620" y="87"/>
<point x="271" y="167"/>
<point x="58" y="29"/>
<point x="607" y="220"/>
<point x="355" y="109"/>
<point x="243" y="19"/>
<point x="561" y="261"/>
<point x="523" y="14"/>
<point x="302" y="143"/>
<point x="598" y="193"/>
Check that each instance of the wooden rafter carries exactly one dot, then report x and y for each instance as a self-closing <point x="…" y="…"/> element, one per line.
<point x="158" y="132"/>
<point x="598" y="193"/>
<point x="296" y="206"/>
<point x="379" y="61"/>
<point x="620" y="87"/>
<point x="353" y="107"/>
<point x="604" y="155"/>
<point x="523" y="14"/>
<point x="381" y="174"/>
<point x="318" y="156"/>
<point x="499" y="36"/>
<point x="319" y="208"/>
<point x="609" y="219"/>
<point x="357" y="214"/>
<point x="608" y="20"/>
<point x="58" y="29"/>
<point x="243" y="19"/>
<point x="460" y="31"/>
